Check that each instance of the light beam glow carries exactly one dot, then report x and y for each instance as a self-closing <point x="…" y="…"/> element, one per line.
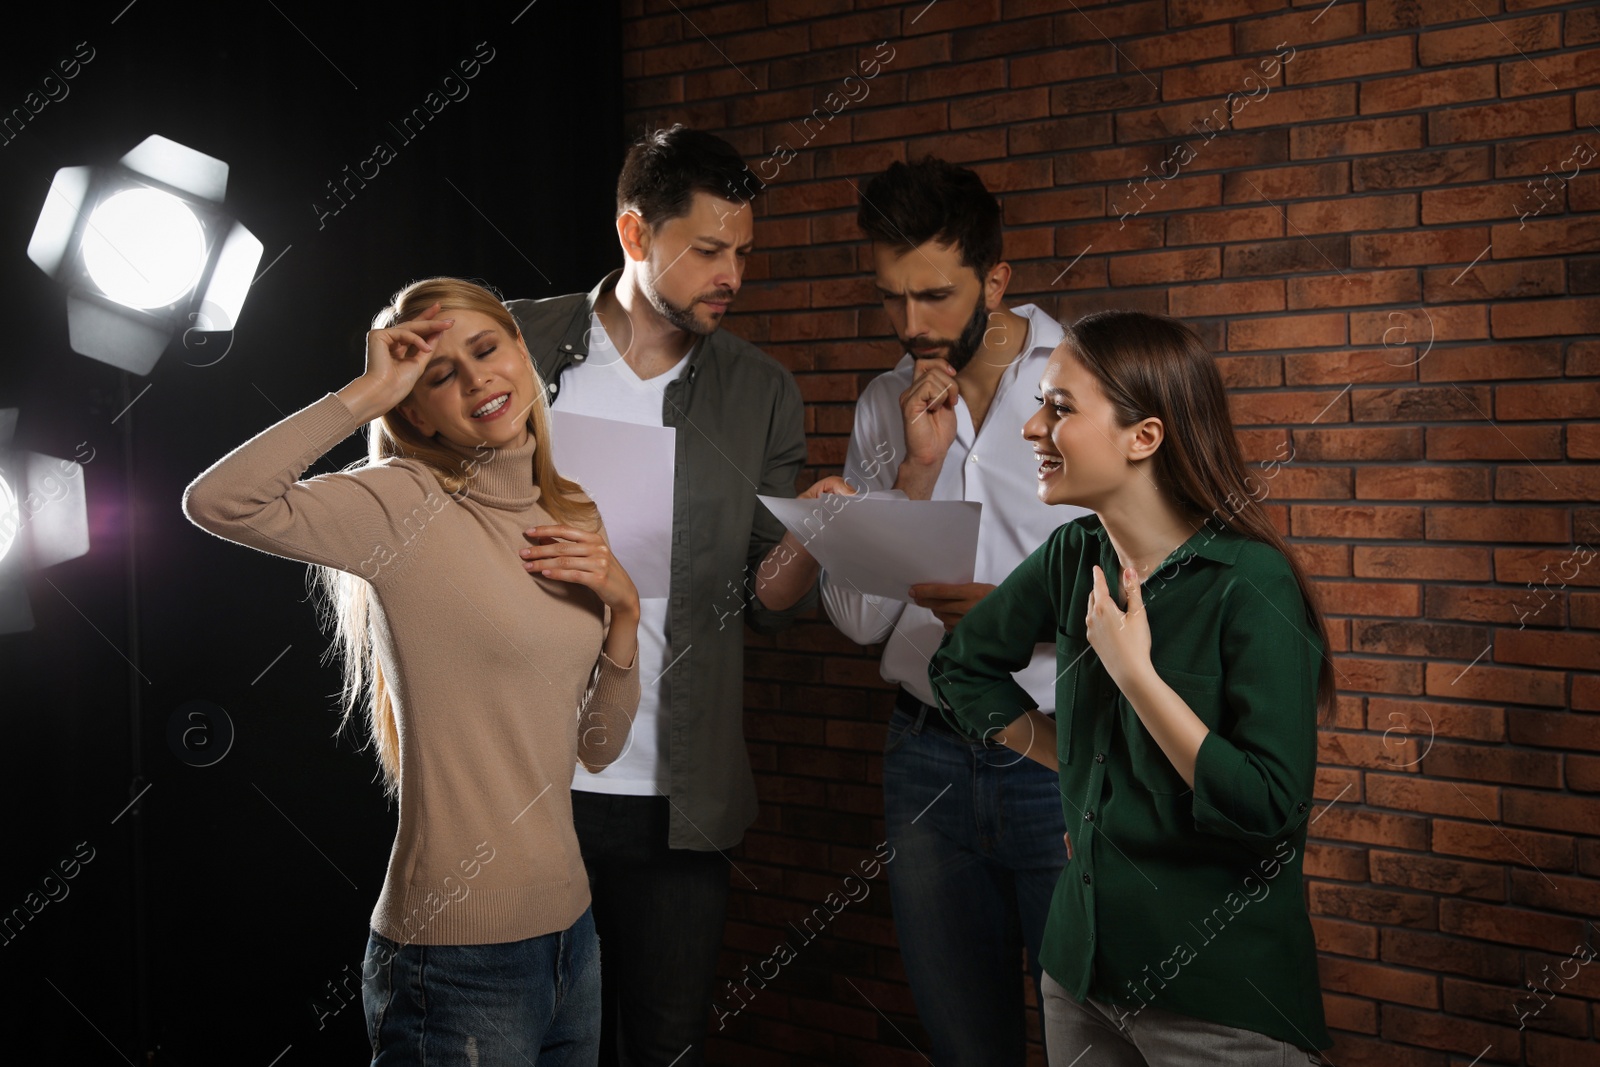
<point x="144" y="248"/>
<point x="10" y="515"/>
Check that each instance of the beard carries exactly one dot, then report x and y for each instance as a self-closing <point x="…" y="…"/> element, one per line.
<point x="684" y="317"/>
<point x="959" y="352"/>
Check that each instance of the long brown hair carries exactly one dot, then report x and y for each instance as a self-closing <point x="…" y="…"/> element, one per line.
<point x="346" y="598"/>
<point x="1150" y="366"/>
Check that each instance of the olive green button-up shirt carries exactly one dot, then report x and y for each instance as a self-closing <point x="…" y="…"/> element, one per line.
<point x="1187" y="899"/>
<point x="740" y="433"/>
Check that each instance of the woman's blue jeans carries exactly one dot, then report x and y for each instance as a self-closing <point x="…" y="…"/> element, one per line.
<point x="505" y="1005"/>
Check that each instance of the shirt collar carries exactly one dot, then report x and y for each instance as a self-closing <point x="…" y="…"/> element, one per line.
<point x="1043" y="330"/>
<point x="1213" y="541"/>
<point x="575" y="345"/>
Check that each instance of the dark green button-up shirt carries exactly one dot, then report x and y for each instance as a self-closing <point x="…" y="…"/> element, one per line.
<point x="741" y="432"/>
<point x="1190" y="900"/>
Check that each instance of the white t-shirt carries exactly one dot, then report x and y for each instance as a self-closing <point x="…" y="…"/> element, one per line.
<point x="604" y="386"/>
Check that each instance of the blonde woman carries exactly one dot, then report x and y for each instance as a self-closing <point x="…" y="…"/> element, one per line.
<point x="490" y="636"/>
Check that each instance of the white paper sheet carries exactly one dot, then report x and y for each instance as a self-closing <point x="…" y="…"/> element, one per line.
<point x="883" y="543"/>
<point x="627" y="470"/>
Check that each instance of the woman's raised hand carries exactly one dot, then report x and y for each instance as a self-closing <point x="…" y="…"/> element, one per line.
<point x="1120" y="638"/>
<point x="569" y="554"/>
<point x="396" y="357"/>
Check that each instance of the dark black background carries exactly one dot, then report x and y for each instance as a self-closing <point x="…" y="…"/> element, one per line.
<point x="217" y="911"/>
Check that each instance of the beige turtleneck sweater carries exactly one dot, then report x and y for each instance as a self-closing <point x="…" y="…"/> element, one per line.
<point x="487" y="665"/>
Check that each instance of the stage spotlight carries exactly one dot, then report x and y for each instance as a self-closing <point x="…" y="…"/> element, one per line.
<point x="44" y="520"/>
<point x="10" y="516"/>
<point x="171" y="248"/>
<point x="145" y="252"/>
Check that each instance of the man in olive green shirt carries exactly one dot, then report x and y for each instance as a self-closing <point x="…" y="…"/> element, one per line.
<point x="646" y="346"/>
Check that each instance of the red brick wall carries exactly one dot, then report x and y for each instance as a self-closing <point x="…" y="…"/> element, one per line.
<point x="1390" y="247"/>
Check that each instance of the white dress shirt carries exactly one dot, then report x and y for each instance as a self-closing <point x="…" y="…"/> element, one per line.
<point x="994" y="466"/>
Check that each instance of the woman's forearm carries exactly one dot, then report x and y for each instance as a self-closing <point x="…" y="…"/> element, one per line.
<point x="335" y="522"/>
<point x="1034" y="735"/>
<point x="365" y="398"/>
<point x="607" y="717"/>
<point x="1177" y="730"/>
<point x="622" y="640"/>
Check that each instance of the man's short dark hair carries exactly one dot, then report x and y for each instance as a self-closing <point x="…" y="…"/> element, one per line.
<point x="664" y="171"/>
<point x="913" y="203"/>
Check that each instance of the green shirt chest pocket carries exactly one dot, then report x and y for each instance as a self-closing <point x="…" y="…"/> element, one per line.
<point x="1151" y="767"/>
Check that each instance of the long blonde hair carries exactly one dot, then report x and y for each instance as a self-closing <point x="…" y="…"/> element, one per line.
<point x="344" y="599"/>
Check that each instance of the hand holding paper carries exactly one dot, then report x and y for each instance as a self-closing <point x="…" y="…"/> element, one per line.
<point x="882" y="543"/>
<point x="949" y="602"/>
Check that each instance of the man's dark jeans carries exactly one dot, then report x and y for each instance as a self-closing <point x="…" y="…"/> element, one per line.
<point x="660" y="914"/>
<point x="977" y="837"/>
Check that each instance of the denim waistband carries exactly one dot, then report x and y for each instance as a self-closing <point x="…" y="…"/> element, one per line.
<point x="930" y="719"/>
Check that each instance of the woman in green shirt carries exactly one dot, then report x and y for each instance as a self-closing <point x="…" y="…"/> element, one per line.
<point x="1192" y="668"/>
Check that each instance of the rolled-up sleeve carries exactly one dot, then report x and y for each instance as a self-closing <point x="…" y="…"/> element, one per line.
<point x="785" y="454"/>
<point x="1253" y="780"/>
<point x="971" y="674"/>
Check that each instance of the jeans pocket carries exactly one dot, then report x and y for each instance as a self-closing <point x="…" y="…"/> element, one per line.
<point x="899" y="729"/>
<point x="377" y="985"/>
